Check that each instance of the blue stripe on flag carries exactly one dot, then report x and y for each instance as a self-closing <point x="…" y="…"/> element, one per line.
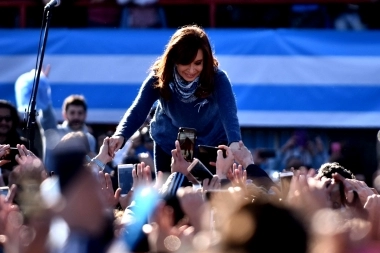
<point x="225" y="41"/>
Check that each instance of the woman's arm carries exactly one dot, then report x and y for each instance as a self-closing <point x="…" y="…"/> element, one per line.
<point x="227" y="107"/>
<point x="136" y="114"/>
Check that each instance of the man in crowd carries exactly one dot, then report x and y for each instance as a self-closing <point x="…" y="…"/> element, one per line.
<point x="74" y="111"/>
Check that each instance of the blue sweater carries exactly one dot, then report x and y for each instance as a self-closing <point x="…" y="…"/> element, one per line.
<point x="214" y="117"/>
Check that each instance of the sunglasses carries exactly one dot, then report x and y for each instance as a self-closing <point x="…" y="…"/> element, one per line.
<point x="6" y="118"/>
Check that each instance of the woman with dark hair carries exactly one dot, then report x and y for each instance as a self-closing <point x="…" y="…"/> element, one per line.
<point x="9" y="124"/>
<point x="191" y="91"/>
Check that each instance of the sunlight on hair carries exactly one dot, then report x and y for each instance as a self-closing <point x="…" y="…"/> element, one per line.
<point x="172" y="243"/>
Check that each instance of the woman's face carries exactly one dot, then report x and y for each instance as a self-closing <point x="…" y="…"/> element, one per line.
<point x="191" y="71"/>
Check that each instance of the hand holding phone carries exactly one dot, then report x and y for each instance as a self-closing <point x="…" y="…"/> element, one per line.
<point x="4" y="191"/>
<point x="209" y="154"/>
<point x="10" y="154"/>
<point x="285" y="178"/>
<point x="199" y="171"/>
<point x="186" y="138"/>
<point x="125" y="179"/>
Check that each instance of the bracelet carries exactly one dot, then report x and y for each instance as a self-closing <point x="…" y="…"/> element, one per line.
<point x="99" y="163"/>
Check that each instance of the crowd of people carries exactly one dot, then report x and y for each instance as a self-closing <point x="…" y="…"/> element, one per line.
<point x="66" y="195"/>
<point x="239" y="209"/>
<point x="151" y="14"/>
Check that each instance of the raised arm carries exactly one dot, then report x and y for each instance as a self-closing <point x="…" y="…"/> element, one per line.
<point x="136" y="114"/>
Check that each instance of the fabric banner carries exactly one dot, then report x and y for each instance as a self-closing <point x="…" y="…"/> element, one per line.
<point x="281" y="78"/>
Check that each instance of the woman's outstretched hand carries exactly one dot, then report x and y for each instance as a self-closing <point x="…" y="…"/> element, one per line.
<point x="115" y="143"/>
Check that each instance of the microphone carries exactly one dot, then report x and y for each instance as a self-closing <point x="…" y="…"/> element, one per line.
<point x="52" y="3"/>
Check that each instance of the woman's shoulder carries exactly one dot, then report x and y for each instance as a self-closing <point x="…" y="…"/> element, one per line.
<point x="220" y="72"/>
<point x="150" y="79"/>
<point x="221" y="76"/>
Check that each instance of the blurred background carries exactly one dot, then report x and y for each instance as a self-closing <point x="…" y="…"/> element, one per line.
<point x="305" y="72"/>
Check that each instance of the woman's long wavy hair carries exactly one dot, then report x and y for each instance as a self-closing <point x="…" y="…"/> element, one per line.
<point x="182" y="49"/>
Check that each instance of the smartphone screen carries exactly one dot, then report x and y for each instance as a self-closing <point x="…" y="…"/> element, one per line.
<point x="4" y="190"/>
<point x="286" y="178"/>
<point x="125" y="179"/>
<point x="186" y="138"/>
<point x="10" y="154"/>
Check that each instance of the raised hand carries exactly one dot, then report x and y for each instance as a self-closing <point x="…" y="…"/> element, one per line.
<point x="111" y="197"/>
<point x="3" y="150"/>
<point x="104" y="151"/>
<point x="353" y="185"/>
<point x="29" y="163"/>
<point x="224" y="165"/>
<point x="372" y="205"/>
<point x="142" y="176"/>
<point x="213" y="184"/>
<point x="238" y="176"/>
<point x="179" y="164"/>
<point x="242" y="155"/>
<point x="308" y="194"/>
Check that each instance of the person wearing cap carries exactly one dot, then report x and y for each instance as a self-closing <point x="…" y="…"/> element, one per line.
<point x="74" y="111"/>
<point x="23" y="92"/>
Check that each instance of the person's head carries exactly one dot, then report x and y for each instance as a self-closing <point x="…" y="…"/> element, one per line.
<point x="190" y="52"/>
<point x="251" y="227"/>
<point x="328" y="169"/>
<point x="84" y="205"/>
<point x="9" y="118"/>
<point x="80" y="136"/>
<point x="74" y="111"/>
<point x="337" y="195"/>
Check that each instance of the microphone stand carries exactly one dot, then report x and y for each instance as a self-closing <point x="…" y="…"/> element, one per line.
<point x="32" y="113"/>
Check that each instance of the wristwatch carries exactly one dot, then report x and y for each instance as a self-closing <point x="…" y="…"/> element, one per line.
<point x="99" y="163"/>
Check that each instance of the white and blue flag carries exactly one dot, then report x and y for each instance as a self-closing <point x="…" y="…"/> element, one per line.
<point x="281" y="78"/>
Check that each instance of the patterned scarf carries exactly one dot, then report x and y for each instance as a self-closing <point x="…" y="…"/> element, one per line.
<point x="183" y="89"/>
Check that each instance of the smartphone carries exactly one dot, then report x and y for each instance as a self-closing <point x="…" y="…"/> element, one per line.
<point x="199" y="171"/>
<point x="209" y="153"/>
<point x="125" y="179"/>
<point x="285" y="179"/>
<point x="10" y="154"/>
<point x="186" y="138"/>
<point x="4" y="190"/>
